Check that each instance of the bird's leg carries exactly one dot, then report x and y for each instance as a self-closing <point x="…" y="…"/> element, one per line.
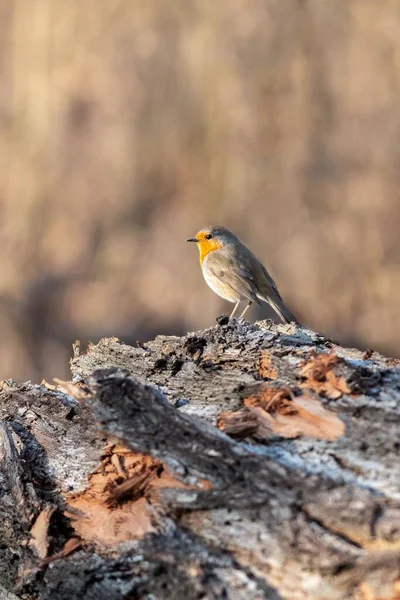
<point x="246" y="309"/>
<point x="235" y="309"/>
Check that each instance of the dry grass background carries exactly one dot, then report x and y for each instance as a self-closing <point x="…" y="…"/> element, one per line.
<point x="128" y="125"/>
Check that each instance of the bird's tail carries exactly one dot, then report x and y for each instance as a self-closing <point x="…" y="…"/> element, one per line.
<point x="280" y="308"/>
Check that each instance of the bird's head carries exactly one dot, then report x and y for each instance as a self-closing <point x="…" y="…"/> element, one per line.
<point x="212" y="238"/>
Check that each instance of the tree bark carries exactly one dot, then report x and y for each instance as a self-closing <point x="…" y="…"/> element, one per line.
<point x="243" y="461"/>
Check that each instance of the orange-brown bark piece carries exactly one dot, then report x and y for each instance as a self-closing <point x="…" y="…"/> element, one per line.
<point x="266" y="368"/>
<point x="123" y="498"/>
<point x="319" y="375"/>
<point x="369" y="592"/>
<point x="70" y="546"/>
<point x="39" y="532"/>
<point x="96" y="522"/>
<point x="77" y="392"/>
<point x="278" y="411"/>
<point x="113" y="508"/>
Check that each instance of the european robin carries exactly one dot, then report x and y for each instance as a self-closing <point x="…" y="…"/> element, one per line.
<point x="234" y="273"/>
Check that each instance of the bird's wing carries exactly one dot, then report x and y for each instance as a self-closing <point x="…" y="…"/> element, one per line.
<point x="272" y="296"/>
<point x="270" y="281"/>
<point x="236" y="277"/>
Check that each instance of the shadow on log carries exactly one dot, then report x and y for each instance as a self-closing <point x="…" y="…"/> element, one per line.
<point x="242" y="462"/>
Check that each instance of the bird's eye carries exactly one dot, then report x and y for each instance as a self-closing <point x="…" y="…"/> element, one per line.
<point x="208" y="236"/>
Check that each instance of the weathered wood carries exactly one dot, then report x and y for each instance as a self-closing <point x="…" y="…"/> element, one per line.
<point x="5" y="595"/>
<point x="301" y="501"/>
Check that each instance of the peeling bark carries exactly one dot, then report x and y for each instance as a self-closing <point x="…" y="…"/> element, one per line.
<point x="243" y="461"/>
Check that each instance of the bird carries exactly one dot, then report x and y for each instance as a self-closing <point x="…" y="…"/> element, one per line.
<point x="233" y="272"/>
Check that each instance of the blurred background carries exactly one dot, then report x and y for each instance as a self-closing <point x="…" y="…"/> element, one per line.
<point x="127" y="125"/>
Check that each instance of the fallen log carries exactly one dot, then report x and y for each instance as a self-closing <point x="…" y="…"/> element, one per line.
<point x="243" y="461"/>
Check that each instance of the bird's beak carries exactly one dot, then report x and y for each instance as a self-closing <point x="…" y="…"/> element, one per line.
<point x="192" y="240"/>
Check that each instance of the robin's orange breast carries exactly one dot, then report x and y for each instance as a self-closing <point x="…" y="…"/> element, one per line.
<point x="207" y="246"/>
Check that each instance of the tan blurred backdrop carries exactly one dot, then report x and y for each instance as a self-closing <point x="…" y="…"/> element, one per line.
<point x="127" y="125"/>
